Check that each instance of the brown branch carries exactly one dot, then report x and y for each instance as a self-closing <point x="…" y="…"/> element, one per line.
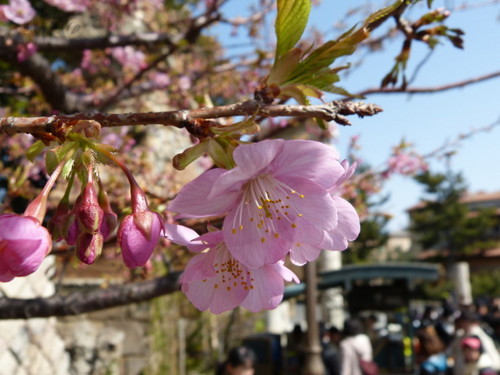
<point x="191" y="36"/>
<point x="431" y="89"/>
<point x="334" y="111"/>
<point x="55" y="92"/>
<point x="54" y="44"/>
<point x="81" y="302"/>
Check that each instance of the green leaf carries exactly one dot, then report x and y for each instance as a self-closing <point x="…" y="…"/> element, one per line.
<point x="247" y="126"/>
<point x="101" y="150"/>
<point x="375" y="19"/>
<point x="296" y="92"/>
<point x="35" y="150"/>
<point x="219" y="154"/>
<point x="67" y="169"/>
<point x="51" y="161"/>
<point x="284" y="66"/>
<point x="189" y="155"/>
<point x="290" y="23"/>
<point x="325" y="55"/>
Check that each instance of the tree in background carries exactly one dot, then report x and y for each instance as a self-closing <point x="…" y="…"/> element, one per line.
<point x="443" y="222"/>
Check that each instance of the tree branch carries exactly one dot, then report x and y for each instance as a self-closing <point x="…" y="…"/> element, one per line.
<point x="191" y="36"/>
<point x="431" y="89"/>
<point x="54" y="44"/>
<point x="81" y="302"/>
<point x="334" y="111"/>
<point x="55" y="92"/>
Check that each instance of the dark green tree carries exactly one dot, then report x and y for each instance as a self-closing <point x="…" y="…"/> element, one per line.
<point x="443" y="222"/>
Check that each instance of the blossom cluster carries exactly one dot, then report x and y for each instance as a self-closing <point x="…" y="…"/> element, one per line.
<point x="405" y="162"/>
<point x="24" y="242"/>
<point x="22" y="12"/>
<point x="280" y="200"/>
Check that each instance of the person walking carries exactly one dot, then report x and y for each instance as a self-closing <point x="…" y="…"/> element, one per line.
<point x="355" y="348"/>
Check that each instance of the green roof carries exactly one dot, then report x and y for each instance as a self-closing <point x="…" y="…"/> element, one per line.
<point x="346" y="275"/>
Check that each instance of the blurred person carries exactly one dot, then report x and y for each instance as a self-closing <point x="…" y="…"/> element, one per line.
<point x="444" y="324"/>
<point x="468" y="324"/>
<point x="476" y="361"/>
<point x="370" y="323"/>
<point x="296" y="342"/>
<point x="330" y="351"/>
<point x="431" y="355"/>
<point x="240" y="361"/>
<point x="355" y="348"/>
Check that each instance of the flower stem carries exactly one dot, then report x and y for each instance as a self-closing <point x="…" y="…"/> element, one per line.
<point x="38" y="207"/>
<point x="138" y="198"/>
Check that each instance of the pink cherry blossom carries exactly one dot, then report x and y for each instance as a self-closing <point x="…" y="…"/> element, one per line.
<point x="24" y="243"/>
<point x="25" y="51"/>
<point x="19" y="11"/>
<point x="347" y="229"/>
<point x="129" y="57"/>
<point x="277" y="195"/>
<point x="138" y="234"/>
<point x="70" y="5"/>
<point x="214" y="280"/>
<point x="405" y="163"/>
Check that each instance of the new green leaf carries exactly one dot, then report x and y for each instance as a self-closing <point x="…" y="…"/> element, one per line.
<point x="35" y="150"/>
<point x="290" y="24"/>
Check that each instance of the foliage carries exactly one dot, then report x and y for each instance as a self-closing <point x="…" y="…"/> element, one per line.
<point x="444" y="223"/>
<point x="485" y="283"/>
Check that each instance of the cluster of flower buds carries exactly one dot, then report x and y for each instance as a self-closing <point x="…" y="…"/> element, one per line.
<point x="90" y="221"/>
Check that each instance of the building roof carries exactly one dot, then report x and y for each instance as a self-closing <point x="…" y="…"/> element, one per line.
<point x="468" y="198"/>
<point x="347" y="274"/>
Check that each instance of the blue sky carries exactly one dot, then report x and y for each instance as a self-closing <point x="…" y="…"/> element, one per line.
<point x="426" y="120"/>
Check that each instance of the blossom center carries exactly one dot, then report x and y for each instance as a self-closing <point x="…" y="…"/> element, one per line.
<point x="231" y="274"/>
<point x="267" y="205"/>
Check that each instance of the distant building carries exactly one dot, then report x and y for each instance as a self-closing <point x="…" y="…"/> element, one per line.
<point x="398" y="245"/>
<point x="479" y="260"/>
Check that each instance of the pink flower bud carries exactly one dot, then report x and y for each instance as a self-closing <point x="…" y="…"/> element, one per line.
<point x="57" y="222"/>
<point x="109" y="224"/>
<point x="70" y="229"/>
<point x="89" y="247"/>
<point x="88" y="211"/>
<point x="110" y="221"/>
<point x="24" y="243"/>
<point x="138" y="234"/>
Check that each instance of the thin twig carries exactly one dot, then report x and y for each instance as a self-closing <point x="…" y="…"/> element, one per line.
<point x="430" y="89"/>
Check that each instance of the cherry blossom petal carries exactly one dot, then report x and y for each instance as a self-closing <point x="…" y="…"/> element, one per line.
<point x="251" y="159"/>
<point x="347" y="230"/>
<point x="309" y="160"/>
<point x="199" y="267"/>
<point x="267" y="291"/>
<point x="192" y="199"/>
<point x="253" y="243"/>
<point x="286" y="273"/>
<point x="301" y="253"/>
<point x="312" y="204"/>
<point x="184" y="236"/>
<point x="224" y="290"/>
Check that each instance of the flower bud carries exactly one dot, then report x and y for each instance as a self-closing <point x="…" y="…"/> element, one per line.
<point x="88" y="211"/>
<point x="110" y="221"/>
<point x="137" y="235"/>
<point x="70" y="229"/>
<point x="57" y="222"/>
<point x="24" y="243"/>
<point x="89" y="247"/>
